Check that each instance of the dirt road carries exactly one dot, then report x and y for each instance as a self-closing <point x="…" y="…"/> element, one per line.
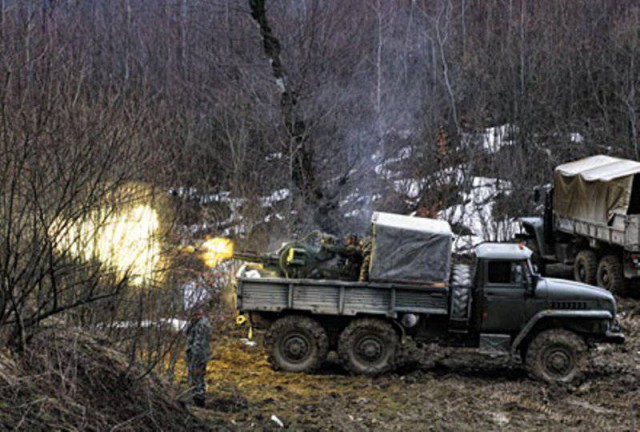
<point x="451" y="390"/>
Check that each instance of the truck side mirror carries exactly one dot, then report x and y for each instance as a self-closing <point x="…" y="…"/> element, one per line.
<point x="536" y="195"/>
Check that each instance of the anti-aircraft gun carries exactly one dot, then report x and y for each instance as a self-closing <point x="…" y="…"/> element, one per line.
<point x="315" y="256"/>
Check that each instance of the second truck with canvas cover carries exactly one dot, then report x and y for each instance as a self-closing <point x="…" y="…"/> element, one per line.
<point x="495" y="303"/>
<point x="591" y="221"/>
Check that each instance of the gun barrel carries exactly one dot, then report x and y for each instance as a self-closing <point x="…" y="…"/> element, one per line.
<point x="256" y="258"/>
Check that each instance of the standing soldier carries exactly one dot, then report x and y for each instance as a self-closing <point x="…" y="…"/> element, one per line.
<point x="197" y="354"/>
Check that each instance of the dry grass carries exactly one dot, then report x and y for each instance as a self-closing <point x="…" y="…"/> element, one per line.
<point x="69" y="380"/>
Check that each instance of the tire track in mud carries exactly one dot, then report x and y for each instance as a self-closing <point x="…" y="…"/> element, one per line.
<point x="523" y="402"/>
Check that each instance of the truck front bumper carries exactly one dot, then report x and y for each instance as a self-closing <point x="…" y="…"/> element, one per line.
<point x="614" y="333"/>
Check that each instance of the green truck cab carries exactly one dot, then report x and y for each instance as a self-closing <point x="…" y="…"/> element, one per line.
<point x="495" y="302"/>
<point x="514" y="299"/>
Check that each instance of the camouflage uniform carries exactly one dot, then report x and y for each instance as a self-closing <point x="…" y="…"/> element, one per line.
<point x="352" y="257"/>
<point x="349" y="256"/>
<point x="365" y="247"/>
<point x="197" y="355"/>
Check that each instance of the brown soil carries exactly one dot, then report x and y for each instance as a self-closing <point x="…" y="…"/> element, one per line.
<point x="449" y="390"/>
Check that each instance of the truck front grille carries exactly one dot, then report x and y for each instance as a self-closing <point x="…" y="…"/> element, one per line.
<point x="571" y="305"/>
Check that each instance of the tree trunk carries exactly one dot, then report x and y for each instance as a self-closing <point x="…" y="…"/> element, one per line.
<point x="301" y="152"/>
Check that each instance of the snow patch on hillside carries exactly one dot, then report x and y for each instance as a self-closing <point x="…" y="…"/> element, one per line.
<point x="276" y="196"/>
<point x="495" y="138"/>
<point x="474" y="217"/>
<point x="409" y="187"/>
<point x="384" y="169"/>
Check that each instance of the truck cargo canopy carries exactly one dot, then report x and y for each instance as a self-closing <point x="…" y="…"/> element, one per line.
<point x="594" y="189"/>
<point x="410" y="249"/>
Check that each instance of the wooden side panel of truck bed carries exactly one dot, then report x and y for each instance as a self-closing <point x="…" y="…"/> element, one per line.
<point x="338" y="297"/>
<point x="624" y="230"/>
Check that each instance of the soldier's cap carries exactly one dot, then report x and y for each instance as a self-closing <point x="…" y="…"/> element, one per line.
<point x="351" y="237"/>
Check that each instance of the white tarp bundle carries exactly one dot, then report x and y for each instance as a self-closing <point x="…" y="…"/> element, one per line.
<point x="410" y="249"/>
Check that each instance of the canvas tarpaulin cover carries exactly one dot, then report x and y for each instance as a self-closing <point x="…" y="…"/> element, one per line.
<point x="594" y="189"/>
<point x="410" y="249"/>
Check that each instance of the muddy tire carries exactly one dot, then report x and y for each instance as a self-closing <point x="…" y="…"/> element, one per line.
<point x="556" y="356"/>
<point x="368" y="347"/>
<point x="585" y="267"/>
<point x="296" y="344"/>
<point x="610" y="275"/>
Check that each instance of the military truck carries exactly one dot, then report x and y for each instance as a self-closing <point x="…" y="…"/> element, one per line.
<point x="495" y="302"/>
<point x="591" y="221"/>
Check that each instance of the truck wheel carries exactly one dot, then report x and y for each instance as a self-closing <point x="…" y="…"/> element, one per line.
<point x="585" y="267"/>
<point x="368" y="347"/>
<point x="461" y="275"/>
<point x="296" y="344"/>
<point x="460" y="281"/>
<point x="556" y="356"/>
<point x="610" y="276"/>
<point x="459" y="302"/>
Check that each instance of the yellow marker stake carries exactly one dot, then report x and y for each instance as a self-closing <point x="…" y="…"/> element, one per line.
<point x="241" y="319"/>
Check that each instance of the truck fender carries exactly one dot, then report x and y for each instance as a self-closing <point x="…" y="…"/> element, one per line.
<point x="526" y="330"/>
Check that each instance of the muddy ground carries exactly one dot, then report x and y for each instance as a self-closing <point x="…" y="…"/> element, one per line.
<point x="450" y="390"/>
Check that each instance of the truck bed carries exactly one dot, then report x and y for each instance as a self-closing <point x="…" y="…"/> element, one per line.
<point x="624" y="230"/>
<point x="339" y="297"/>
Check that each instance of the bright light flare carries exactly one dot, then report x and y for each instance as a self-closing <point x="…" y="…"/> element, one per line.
<point x="216" y="250"/>
<point x="125" y="242"/>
